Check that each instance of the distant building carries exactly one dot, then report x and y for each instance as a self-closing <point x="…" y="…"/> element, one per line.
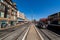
<point x="44" y="20"/>
<point x="21" y="17"/>
<point x="8" y="12"/>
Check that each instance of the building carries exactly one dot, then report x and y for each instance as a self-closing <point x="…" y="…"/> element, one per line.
<point x="54" y="18"/>
<point x="21" y="17"/>
<point x="44" y="20"/>
<point x="8" y="13"/>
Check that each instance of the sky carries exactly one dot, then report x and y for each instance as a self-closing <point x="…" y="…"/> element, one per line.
<point x="36" y="9"/>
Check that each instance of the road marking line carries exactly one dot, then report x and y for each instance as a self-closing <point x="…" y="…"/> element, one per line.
<point x="25" y="34"/>
<point x="39" y="34"/>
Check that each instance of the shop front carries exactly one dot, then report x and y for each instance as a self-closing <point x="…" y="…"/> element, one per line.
<point x="12" y="23"/>
<point x="20" y="20"/>
<point x="3" y="24"/>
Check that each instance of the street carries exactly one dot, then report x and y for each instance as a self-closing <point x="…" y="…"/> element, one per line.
<point x="19" y="33"/>
<point x="13" y="33"/>
<point x="29" y="19"/>
<point x="28" y="32"/>
<point x="32" y="34"/>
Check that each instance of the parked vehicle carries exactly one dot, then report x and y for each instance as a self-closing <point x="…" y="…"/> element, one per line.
<point x="41" y="25"/>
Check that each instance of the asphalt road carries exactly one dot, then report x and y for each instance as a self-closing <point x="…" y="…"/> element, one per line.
<point x="12" y="34"/>
<point x="32" y="34"/>
<point x="48" y="35"/>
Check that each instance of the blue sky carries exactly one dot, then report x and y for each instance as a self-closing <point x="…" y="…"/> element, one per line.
<point x="38" y="8"/>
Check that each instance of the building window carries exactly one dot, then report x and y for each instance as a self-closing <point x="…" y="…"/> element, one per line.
<point x="1" y="14"/>
<point x="14" y="17"/>
<point x="1" y="0"/>
<point x="59" y="14"/>
<point x="58" y="22"/>
<point x="8" y="16"/>
<point x="13" y="13"/>
<point x="2" y="7"/>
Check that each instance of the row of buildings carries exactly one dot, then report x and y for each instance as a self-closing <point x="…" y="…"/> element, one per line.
<point x="52" y="19"/>
<point x="9" y="14"/>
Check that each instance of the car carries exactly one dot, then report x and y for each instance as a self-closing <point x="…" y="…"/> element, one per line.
<point x="41" y="25"/>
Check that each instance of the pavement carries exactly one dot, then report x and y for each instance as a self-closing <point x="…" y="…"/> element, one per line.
<point x="12" y="26"/>
<point x="32" y="34"/>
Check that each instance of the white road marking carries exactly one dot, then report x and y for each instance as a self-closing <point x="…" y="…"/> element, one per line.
<point x="25" y="34"/>
<point x="39" y="34"/>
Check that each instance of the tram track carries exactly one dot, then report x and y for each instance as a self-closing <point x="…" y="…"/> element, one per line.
<point x="18" y="32"/>
<point x="32" y="34"/>
<point x="7" y="31"/>
<point x="14" y="37"/>
<point x="50" y="35"/>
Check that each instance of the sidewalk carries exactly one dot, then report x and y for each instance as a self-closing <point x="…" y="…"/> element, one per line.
<point x="12" y="26"/>
<point x="32" y="34"/>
